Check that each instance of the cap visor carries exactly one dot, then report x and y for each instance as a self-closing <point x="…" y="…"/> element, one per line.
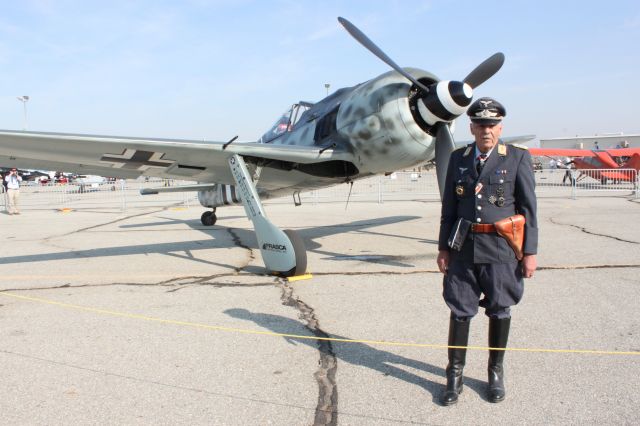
<point x="486" y="120"/>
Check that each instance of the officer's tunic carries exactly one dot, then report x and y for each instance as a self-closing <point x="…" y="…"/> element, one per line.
<point x="486" y="264"/>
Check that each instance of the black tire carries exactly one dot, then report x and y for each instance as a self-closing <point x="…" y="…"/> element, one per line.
<point x="208" y="218"/>
<point x="300" y="252"/>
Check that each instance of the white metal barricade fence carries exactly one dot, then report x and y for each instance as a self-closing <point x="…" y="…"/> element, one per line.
<point x="121" y="194"/>
<point x="606" y="180"/>
<point x="397" y="186"/>
<point x="586" y="182"/>
<point x="117" y="194"/>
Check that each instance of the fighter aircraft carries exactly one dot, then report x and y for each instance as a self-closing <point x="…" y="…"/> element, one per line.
<point x="397" y="120"/>
<point x="592" y="160"/>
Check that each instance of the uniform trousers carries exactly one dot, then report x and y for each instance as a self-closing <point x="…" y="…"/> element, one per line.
<point x="501" y="284"/>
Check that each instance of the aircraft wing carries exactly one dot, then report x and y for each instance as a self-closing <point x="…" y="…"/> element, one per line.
<point x="507" y="140"/>
<point x="128" y="157"/>
<point x="623" y="152"/>
<point x="561" y="152"/>
<point x="570" y="152"/>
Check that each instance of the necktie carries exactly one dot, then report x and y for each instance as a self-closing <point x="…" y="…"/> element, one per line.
<point x="481" y="159"/>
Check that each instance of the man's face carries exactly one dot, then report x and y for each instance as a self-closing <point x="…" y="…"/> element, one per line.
<point x="486" y="135"/>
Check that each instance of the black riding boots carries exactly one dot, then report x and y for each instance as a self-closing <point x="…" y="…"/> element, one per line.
<point x="498" y="336"/>
<point x="458" y="336"/>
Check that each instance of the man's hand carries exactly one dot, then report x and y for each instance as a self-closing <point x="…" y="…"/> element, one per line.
<point x="443" y="261"/>
<point x="529" y="265"/>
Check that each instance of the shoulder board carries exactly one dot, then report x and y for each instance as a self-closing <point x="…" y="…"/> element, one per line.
<point x="517" y="145"/>
<point x="458" y="149"/>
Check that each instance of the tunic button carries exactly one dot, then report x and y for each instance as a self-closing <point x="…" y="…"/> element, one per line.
<point x="479" y="195"/>
<point x="479" y="207"/>
<point x="478" y="220"/>
<point x="501" y="181"/>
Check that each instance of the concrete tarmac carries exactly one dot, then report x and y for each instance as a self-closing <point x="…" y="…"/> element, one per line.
<point x="148" y="317"/>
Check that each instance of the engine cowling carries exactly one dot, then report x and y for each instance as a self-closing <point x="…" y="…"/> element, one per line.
<point x="222" y="195"/>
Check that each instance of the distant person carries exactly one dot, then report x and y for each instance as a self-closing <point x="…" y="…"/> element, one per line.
<point x="3" y="190"/>
<point x="13" y="180"/>
<point x="487" y="181"/>
<point x="595" y="145"/>
<point x="568" y="173"/>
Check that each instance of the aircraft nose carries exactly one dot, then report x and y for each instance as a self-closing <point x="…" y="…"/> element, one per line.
<point x="445" y="101"/>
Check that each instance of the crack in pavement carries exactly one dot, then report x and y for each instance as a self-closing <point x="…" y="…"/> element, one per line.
<point x="238" y="243"/>
<point x="195" y="280"/>
<point x="178" y="282"/>
<point x="327" y="407"/>
<point x="583" y="229"/>
<point x="436" y="271"/>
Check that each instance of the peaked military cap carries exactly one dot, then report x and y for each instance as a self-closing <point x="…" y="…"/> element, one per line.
<point x="486" y="111"/>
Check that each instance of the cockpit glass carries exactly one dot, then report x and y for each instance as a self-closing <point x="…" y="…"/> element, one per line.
<point x="286" y="122"/>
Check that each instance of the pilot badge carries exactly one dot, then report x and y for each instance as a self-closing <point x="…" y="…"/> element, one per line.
<point x="500" y="202"/>
<point x="460" y="190"/>
<point x="500" y="191"/>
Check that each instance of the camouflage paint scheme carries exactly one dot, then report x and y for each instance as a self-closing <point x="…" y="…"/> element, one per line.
<point x="375" y="132"/>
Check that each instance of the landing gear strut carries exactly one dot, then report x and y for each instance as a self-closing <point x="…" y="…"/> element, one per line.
<point x="283" y="252"/>
<point x="209" y="218"/>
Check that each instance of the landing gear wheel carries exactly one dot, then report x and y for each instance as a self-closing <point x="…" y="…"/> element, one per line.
<point x="208" y="218"/>
<point x="300" y="252"/>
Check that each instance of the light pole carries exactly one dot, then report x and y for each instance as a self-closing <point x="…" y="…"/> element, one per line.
<point x="326" y="86"/>
<point x="24" y="100"/>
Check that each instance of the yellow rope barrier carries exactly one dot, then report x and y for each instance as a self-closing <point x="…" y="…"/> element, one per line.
<point x="303" y="337"/>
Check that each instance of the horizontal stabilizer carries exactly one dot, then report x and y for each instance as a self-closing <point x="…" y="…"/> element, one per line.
<point x="507" y="140"/>
<point x="517" y="139"/>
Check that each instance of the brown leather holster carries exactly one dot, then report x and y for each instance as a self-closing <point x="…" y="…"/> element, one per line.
<point x="512" y="229"/>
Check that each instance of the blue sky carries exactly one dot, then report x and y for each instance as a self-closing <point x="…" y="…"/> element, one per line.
<point x="215" y="69"/>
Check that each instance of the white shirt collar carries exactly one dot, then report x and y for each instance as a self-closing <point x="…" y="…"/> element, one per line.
<point x="478" y="151"/>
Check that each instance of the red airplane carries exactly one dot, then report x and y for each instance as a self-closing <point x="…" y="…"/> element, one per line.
<point x="598" y="159"/>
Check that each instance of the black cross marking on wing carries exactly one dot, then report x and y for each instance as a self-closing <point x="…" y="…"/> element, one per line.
<point x="137" y="160"/>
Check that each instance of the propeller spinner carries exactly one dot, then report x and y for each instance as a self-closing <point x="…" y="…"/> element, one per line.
<point x="438" y="103"/>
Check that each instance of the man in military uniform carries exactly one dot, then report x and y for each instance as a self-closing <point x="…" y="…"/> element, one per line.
<point x="486" y="181"/>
